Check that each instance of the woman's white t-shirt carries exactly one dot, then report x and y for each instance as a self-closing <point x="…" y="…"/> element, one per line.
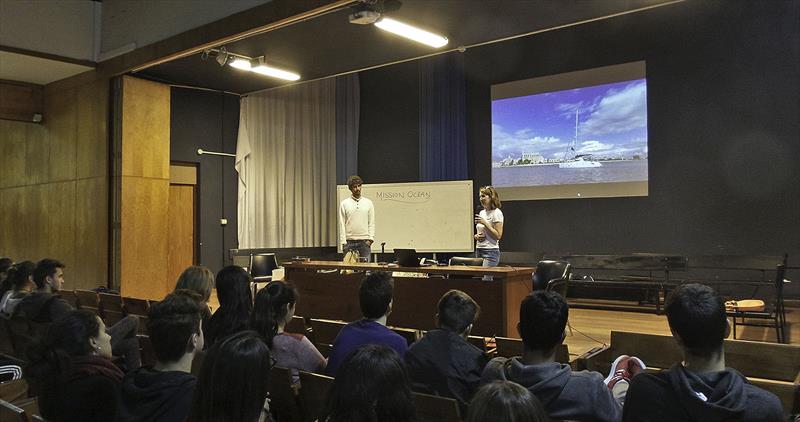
<point x="493" y="216"/>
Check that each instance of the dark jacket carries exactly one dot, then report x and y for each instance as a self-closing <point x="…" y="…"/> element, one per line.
<point x="445" y="364"/>
<point x="43" y="307"/>
<point x="155" y="396"/>
<point x="678" y="394"/>
<point x="91" y="393"/>
<point x="565" y="395"/>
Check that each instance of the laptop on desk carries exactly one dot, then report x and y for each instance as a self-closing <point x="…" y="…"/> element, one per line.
<point x="407" y="257"/>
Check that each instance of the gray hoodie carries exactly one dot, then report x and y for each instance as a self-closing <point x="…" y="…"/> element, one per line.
<point x="566" y="395"/>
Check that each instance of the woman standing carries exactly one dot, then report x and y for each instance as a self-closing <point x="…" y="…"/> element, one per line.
<point x="489" y="227"/>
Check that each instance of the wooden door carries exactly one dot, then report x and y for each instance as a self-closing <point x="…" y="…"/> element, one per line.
<point x="182" y="222"/>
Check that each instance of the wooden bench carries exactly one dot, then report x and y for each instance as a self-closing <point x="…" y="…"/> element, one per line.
<point x="510" y="347"/>
<point x="283" y="396"/>
<point x="323" y="332"/>
<point x="773" y="367"/>
<point x="436" y="409"/>
<point x="313" y="394"/>
<point x="650" y="274"/>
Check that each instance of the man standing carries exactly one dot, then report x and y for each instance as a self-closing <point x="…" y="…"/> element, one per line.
<point x="356" y="221"/>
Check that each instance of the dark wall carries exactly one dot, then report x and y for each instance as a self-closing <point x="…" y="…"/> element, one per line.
<point x="724" y="136"/>
<point x="209" y="120"/>
<point x="388" y="147"/>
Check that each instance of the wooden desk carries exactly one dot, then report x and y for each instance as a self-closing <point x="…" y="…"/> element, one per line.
<point x="327" y="293"/>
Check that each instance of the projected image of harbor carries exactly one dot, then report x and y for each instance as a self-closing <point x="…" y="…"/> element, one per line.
<point x="593" y="134"/>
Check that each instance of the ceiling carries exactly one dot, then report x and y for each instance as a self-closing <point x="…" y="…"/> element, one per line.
<point x="36" y="70"/>
<point x="329" y="45"/>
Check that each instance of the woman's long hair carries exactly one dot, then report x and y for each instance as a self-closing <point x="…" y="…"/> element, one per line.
<point x="371" y="385"/>
<point x="235" y="303"/>
<point x="17" y="275"/>
<point x="232" y="384"/>
<point x="270" y="308"/>
<point x="197" y="278"/>
<point x="494" y="197"/>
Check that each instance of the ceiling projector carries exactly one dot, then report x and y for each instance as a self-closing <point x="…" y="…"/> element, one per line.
<point x="364" y="17"/>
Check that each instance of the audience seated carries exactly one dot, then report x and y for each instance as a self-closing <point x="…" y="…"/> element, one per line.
<point x="443" y="362"/>
<point x="72" y="373"/>
<point x="700" y="388"/>
<point x="565" y="394"/>
<point x="505" y="401"/>
<point x="20" y="282"/>
<point x="5" y="264"/>
<point x="375" y="298"/>
<point x="45" y="305"/>
<point x="235" y="304"/>
<point x="163" y="393"/>
<point x="201" y="280"/>
<point x="372" y="386"/>
<point x="233" y="381"/>
<point x="274" y="308"/>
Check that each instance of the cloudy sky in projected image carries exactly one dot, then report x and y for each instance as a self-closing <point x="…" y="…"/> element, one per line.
<point x="612" y="122"/>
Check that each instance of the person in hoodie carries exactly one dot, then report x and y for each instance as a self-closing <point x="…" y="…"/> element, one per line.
<point x="20" y="281"/>
<point x="163" y="392"/>
<point x="443" y="362"/>
<point x="566" y="395"/>
<point x="700" y="388"/>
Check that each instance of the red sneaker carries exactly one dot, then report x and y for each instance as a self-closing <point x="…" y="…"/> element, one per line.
<point x="619" y="371"/>
<point x="635" y="366"/>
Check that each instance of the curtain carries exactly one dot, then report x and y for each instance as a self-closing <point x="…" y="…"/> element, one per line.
<point x="347" y="120"/>
<point x="442" y="118"/>
<point x="286" y="159"/>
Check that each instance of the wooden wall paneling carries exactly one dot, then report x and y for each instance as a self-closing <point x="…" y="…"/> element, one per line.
<point x="181" y="236"/>
<point x="144" y="238"/>
<point x="61" y="114"/>
<point x="58" y="241"/>
<point x="37" y="154"/>
<point x="92" y="130"/>
<point x="145" y="128"/>
<point x="91" y="234"/>
<point x="20" y="101"/>
<point x="12" y="140"/>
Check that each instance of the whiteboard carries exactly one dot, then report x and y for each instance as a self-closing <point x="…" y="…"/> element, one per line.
<point x="426" y="216"/>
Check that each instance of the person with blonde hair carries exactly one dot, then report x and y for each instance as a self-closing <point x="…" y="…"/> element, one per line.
<point x="199" y="279"/>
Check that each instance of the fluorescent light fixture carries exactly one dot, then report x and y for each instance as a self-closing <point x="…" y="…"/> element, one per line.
<point x="258" y="66"/>
<point x="240" y="64"/>
<point x="275" y="72"/>
<point x="412" y="33"/>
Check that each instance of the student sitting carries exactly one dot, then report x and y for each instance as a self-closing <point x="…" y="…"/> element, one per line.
<point x="568" y="395"/>
<point x="375" y="298"/>
<point x="233" y="381"/>
<point x="372" y="386"/>
<point x="505" y="401"/>
<point x="45" y="305"/>
<point x="700" y="388"/>
<point x="235" y="304"/>
<point x="20" y="284"/>
<point x="443" y="362"/>
<point x="274" y="308"/>
<point x="72" y="372"/>
<point x="199" y="279"/>
<point x="163" y="393"/>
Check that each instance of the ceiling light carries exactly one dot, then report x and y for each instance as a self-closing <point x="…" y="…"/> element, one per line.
<point x="275" y="72"/>
<point x="411" y="32"/>
<point x="239" y="63"/>
<point x="255" y="65"/>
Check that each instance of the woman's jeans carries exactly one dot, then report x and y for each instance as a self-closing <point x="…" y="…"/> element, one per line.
<point x="491" y="257"/>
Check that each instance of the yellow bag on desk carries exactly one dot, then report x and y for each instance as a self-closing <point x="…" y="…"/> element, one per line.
<point x="351" y="257"/>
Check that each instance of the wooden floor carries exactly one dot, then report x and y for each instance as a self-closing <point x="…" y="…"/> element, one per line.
<point x="592" y="328"/>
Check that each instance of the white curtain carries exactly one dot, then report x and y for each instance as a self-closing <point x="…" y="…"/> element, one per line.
<point x="286" y="160"/>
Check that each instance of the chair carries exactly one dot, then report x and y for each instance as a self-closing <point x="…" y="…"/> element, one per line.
<point x="11" y="413"/>
<point x="283" y="396"/>
<point x="436" y="408"/>
<point x="324" y="332"/>
<point x="465" y="260"/>
<point x="510" y="347"/>
<point x="111" y="307"/>
<point x="14" y="391"/>
<point x="70" y="297"/>
<point x="89" y="300"/>
<point x="146" y="350"/>
<point x="138" y="307"/>
<point x="297" y="326"/>
<point x="313" y="392"/>
<point x="551" y="276"/>
<point x="775" y="312"/>
<point x="411" y="335"/>
<point x="261" y="266"/>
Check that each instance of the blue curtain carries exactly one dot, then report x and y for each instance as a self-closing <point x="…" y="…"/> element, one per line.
<point x="347" y="117"/>
<point x="442" y="118"/>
